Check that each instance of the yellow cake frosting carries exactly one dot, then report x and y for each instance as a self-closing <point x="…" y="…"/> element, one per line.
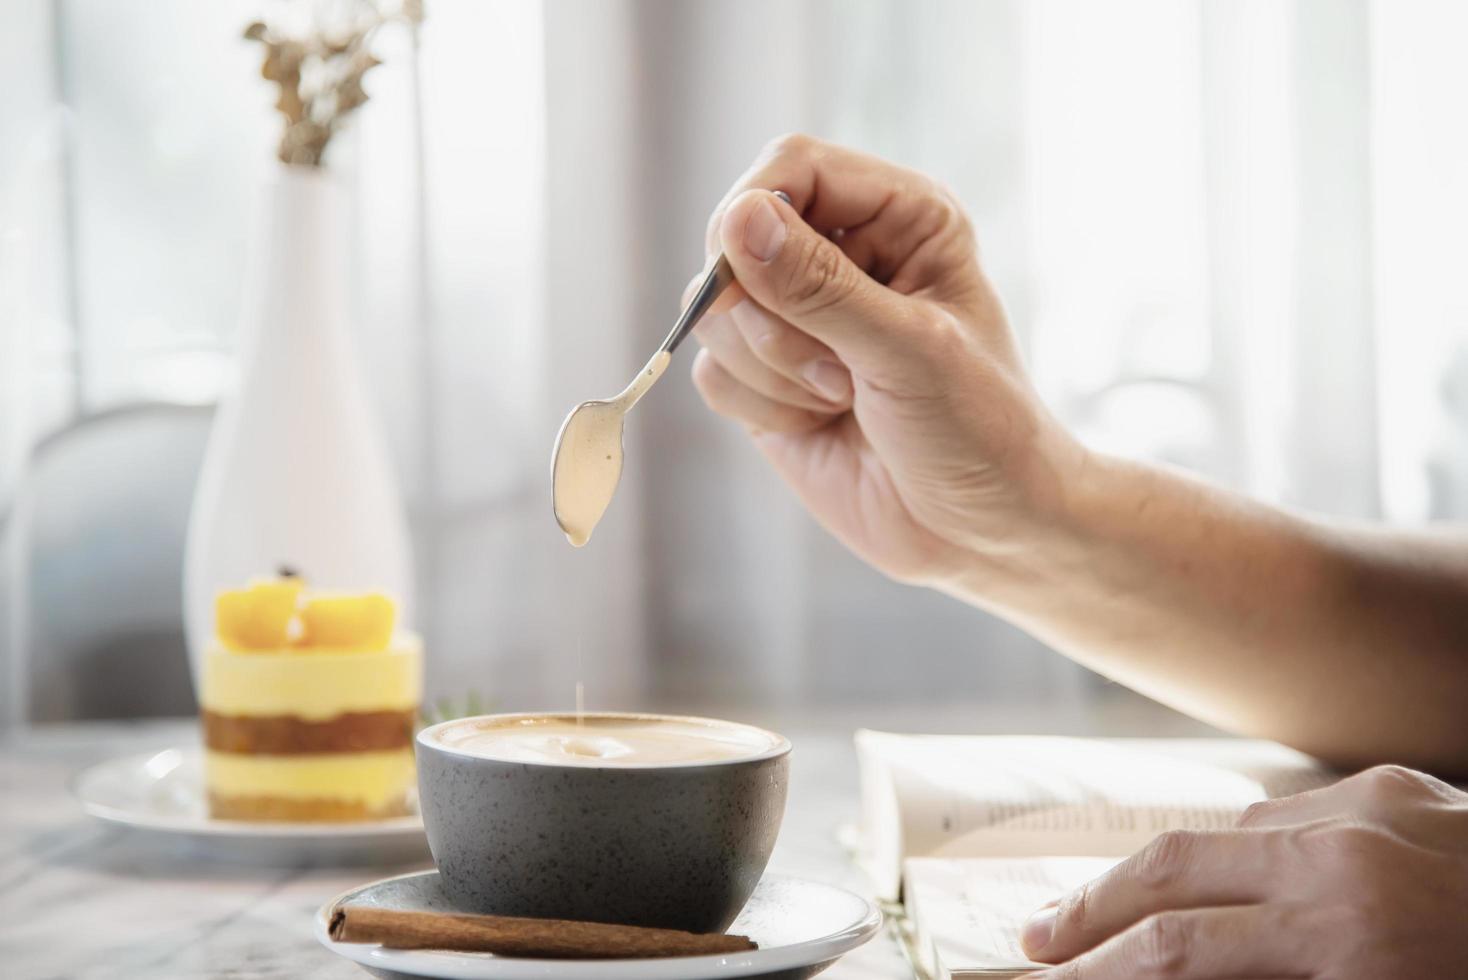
<point x="371" y="779"/>
<point x="314" y="685"/>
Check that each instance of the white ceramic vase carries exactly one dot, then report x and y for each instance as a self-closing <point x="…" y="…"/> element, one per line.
<point x="296" y="472"/>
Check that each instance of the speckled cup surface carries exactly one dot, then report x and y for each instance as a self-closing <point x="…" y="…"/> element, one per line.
<point x="678" y="846"/>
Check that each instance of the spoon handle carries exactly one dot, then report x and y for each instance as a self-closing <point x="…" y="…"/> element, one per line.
<point x="718" y="279"/>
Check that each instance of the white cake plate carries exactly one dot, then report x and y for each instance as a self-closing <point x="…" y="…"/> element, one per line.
<point x="162" y="793"/>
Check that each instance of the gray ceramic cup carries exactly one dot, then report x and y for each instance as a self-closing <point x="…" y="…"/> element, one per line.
<point x="678" y="846"/>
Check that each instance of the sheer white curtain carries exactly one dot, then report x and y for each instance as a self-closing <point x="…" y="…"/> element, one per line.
<point x="1209" y="223"/>
<point x="1230" y="236"/>
<point x="36" y="387"/>
<point x="1420" y="243"/>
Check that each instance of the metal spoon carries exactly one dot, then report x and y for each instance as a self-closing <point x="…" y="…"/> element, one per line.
<point x="718" y="279"/>
<point x="586" y="462"/>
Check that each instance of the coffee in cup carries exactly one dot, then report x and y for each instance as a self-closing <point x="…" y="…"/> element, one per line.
<point x="651" y="820"/>
<point x="605" y="740"/>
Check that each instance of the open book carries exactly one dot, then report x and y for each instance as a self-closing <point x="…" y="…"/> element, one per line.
<point x="976" y="832"/>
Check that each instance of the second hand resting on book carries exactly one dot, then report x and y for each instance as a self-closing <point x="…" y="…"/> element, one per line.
<point x="872" y="363"/>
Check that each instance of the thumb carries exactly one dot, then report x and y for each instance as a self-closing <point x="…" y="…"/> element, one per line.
<point x="803" y="277"/>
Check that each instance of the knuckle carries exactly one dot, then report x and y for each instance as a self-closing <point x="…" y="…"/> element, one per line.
<point x="1356" y="850"/>
<point x="1075" y="911"/>
<point x="1382" y="779"/>
<point x="1164" y="945"/>
<point x="1311" y="840"/>
<point x="1283" y="846"/>
<point x="792" y="144"/>
<point x="1166" y="859"/>
<point x="1388" y="783"/>
<point x="817" y="277"/>
<point x="942" y="212"/>
<point x="944" y="335"/>
<point x="1359" y="841"/>
<point x="1255" y="813"/>
<point x="943" y="209"/>
<point x="777" y="344"/>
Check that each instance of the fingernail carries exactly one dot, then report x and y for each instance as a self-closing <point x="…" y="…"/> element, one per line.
<point x="830" y="380"/>
<point x="764" y="232"/>
<point x="1038" y="930"/>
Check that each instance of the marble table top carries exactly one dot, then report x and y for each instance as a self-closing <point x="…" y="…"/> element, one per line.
<point x="79" y="899"/>
<point x="82" y="900"/>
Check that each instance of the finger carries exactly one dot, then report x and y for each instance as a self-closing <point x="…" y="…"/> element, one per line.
<point x="1385" y="794"/>
<point x="833" y="186"/>
<point x="725" y="395"/>
<point x="1231" y="943"/>
<point x="1177" y="870"/>
<point x="792" y="353"/>
<point x="1307" y="807"/>
<point x="916" y="251"/>
<point x="721" y="336"/>
<point x="806" y="280"/>
<point x="878" y="210"/>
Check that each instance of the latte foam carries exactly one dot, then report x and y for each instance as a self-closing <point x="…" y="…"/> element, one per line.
<point x="605" y="740"/>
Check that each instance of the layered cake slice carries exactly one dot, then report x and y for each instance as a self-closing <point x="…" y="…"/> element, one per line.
<point x="308" y="705"/>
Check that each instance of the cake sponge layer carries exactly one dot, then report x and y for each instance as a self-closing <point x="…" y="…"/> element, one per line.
<point x="354" y="731"/>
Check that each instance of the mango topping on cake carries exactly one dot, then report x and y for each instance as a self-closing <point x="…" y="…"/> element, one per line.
<point x="269" y="615"/>
<point x="258" y="617"/>
<point x="361" y="622"/>
<point x="308" y="704"/>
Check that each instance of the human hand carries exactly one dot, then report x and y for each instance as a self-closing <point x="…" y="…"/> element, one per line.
<point x="872" y="363"/>
<point x="1363" y="880"/>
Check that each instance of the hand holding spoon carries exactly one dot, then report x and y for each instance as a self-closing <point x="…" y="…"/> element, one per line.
<point x="587" y="460"/>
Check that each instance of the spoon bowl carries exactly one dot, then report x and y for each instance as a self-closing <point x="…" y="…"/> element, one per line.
<point x="586" y="464"/>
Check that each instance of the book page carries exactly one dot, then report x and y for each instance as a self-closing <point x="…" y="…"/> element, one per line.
<point x="1279" y="769"/>
<point x="966" y="914"/>
<point x="1015" y="796"/>
<point x="1067" y="795"/>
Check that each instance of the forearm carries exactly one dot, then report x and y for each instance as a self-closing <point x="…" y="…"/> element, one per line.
<point x="1347" y="644"/>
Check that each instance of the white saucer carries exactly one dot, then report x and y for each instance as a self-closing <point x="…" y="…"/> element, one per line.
<point x="801" y="927"/>
<point x="163" y="793"/>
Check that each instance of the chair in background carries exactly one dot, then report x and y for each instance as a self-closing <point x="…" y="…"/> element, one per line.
<point x="95" y="584"/>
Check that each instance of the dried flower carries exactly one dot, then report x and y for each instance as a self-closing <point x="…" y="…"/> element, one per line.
<point x="320" y="75"/>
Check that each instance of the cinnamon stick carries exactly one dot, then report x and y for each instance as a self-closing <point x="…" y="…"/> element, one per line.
<point x="513" y="936"/>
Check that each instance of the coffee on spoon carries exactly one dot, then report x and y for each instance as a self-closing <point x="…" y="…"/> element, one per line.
<point x="586" y="463"/>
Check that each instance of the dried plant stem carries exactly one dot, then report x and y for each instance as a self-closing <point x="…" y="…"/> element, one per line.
<point x="319" y="75"/>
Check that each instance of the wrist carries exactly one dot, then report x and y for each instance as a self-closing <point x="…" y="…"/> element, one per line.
<point x="1061" y="489"/>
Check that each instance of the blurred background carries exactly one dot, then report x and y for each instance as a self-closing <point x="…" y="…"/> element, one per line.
<point x="1232" y="237"/>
